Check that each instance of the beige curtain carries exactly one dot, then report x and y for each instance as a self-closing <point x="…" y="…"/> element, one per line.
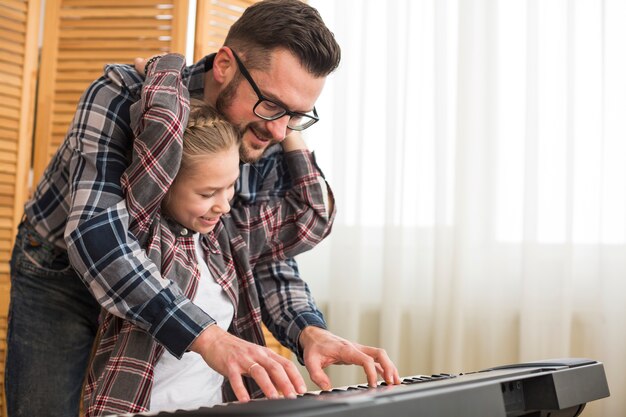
<point x="475" y="148"/>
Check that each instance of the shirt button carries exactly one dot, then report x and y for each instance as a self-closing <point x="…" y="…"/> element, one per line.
<point x="184" y="232"/>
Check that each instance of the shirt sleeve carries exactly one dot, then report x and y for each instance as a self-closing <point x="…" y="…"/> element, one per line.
<point x="284" y="226"/>
<point x="280" y="226"/>
<point x="287" y="305"/>
<point x="102" y="250"/>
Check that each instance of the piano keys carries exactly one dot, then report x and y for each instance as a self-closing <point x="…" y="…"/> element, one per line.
<point x="555" y="388"/>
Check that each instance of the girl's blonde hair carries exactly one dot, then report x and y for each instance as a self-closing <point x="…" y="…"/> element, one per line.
<point x="207" y="132"/>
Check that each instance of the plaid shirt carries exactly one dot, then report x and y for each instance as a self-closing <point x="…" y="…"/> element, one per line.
<point x="79" y="205"/>
<point x="120" y="376"/>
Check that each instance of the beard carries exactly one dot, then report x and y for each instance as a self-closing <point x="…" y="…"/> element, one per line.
<point x="249" y="151"/>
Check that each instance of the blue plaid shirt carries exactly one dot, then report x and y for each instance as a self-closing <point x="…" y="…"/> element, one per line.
<point x="79" y="206"/>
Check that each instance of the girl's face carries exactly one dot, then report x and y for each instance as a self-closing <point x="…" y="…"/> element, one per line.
<point x="202" y="191"/>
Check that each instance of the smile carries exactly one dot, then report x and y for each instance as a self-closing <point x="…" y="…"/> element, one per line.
<point x="259" y="137"/>
<point x="210" y="220"/>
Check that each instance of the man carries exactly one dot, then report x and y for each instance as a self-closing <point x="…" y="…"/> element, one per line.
<point x="266" y="80"/>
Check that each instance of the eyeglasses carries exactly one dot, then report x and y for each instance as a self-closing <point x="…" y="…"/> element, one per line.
<point x="268" y="109"/>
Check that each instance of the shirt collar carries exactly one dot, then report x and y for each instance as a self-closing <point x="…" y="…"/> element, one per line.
<point x="193" y="76"/>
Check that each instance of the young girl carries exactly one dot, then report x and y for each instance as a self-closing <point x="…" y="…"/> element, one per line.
<point x="178" y="189"/>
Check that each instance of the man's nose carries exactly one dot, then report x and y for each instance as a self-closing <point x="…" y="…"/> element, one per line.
<point x="278" y="128"/>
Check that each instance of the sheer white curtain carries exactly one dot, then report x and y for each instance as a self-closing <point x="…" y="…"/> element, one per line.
<point x="476" y="149"/>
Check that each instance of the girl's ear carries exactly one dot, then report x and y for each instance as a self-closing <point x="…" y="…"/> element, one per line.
<point x="224" y="65"/>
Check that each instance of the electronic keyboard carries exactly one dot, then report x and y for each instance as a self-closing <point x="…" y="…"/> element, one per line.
<point x="556" y="388"/>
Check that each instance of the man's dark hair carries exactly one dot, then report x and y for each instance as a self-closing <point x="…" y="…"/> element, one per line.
<point x="287" y="24"/>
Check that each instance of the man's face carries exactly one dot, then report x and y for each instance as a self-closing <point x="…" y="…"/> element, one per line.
<point x="285" y="82"/>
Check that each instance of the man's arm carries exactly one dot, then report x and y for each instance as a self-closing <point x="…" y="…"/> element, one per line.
<point x="287" y="304"/>
<point x="291" y="315"/>
<point x="284" y="226"/>
<point x="101" y="248"/>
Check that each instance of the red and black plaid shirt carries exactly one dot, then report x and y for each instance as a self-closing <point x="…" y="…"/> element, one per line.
<point x="121" y="370"/>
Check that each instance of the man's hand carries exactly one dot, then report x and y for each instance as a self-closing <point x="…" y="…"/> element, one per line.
<point x="322" y="348"/>
<point x="140" y="64"/>
<point x="293" y="141"/>
<point x="234" y="358"/>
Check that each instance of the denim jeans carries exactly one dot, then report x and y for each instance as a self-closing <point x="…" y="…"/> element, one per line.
<point x="53" y="321"/>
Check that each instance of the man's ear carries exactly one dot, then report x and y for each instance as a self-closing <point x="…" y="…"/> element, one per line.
<point x="224" y="65"/>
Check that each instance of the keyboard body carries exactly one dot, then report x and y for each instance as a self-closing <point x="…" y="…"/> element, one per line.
<point x="555" y="388"/>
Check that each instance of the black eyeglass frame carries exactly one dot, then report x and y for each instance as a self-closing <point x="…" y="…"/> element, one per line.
<point x="314" y="118"/>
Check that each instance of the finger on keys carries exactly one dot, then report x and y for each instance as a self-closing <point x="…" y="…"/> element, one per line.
<point x="236" y="382"/>
<point x="318" y="376"/>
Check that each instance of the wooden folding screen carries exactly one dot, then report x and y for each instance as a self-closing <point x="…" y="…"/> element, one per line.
<point x="19" y="24"/>
<point x="80" y="36"/>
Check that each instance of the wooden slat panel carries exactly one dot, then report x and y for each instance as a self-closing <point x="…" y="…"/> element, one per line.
<point x="65" y="109"/>
<point x="59" y="131"/>
<point x="118" y="34"/>
<point x="6" y="179"/>
<point x="123" y="44"/>
<point x="12" y="14"/>
<point x="13" y="47"/>
<point x="12" y="69"/>
<point x="12" y="80"/>
<point x="213" y="18"/>
<point x="16" y="38"/>
<point x="18" y="5"/>
<point x="238" y="5"/>
<point x="116" y="3"/>
<point x="10" y="58"/>
<point x="85" y="76"/>
<point x="5" y="257"/>
<point x="84" y="35"/>
<point x="118" y="55"/>
<point x="113" y="12"/>
<point x="6" y="145"/>
<point x="9" y="124"/>
<point x="94" y="64"/>
<point x="5" y="234"/>
<point x="137" y="23"/>
<point x="6" y="223"/>
<point x="71" y="97"/>
<point x="11" y="25"/>
<point x="8" y="157"/>
<point x="9" y="113"/>
<point x="10" y="91"/>
<point x="7" y="190"/>
<point x="6" y="135"/>
<point x="6" y="168"/>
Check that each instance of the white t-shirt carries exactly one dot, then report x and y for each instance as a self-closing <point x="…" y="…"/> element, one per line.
<point x="190" y="383"/>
